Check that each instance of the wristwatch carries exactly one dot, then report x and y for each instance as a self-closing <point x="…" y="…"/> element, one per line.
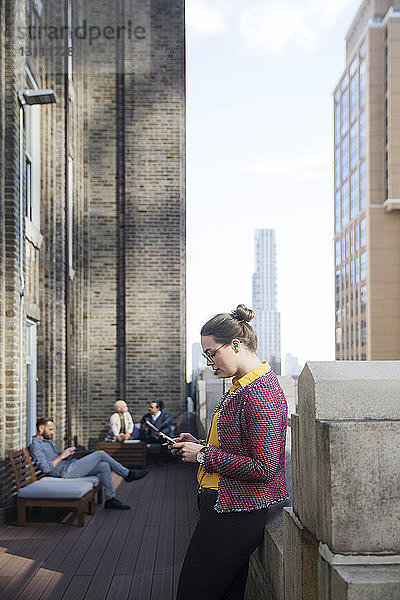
<point x="200" y="456"/>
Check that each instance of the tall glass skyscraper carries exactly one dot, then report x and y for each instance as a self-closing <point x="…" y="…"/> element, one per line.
<point x="367" y="187"/>
<point x="268" y="319"/>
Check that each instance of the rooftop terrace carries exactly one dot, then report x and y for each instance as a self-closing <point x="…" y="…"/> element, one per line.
<point x="118" y="555"/>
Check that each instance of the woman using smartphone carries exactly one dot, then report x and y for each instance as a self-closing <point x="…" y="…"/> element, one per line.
<point x="241" y="464"/>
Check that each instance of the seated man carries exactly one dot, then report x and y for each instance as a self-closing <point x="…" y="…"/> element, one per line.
<point x="160" y="419"/>
<point x="121" y="424"/>
<point x="45" y="454"/>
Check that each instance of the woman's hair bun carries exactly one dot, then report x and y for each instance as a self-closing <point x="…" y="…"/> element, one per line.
<point x="242" y="313"/>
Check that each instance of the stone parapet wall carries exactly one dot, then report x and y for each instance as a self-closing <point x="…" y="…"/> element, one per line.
<point x="341" y="538"/>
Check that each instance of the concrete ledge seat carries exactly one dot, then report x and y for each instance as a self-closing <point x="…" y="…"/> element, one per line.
<point x="64" y="488"/>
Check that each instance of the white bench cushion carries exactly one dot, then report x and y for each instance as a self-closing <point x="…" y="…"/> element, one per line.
<point x="93" y="479"/>
<point x="64" y="489"/>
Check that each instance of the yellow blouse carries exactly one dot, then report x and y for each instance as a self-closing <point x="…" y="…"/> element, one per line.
<point x="211" y="480"/>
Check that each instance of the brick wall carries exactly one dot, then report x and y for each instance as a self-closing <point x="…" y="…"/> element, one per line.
<point x="127" y="290"/>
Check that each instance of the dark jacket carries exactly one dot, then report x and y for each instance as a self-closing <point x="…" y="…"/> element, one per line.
<point x="163" y="423"/>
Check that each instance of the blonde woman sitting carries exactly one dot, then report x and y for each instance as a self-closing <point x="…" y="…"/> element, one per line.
<point x="121" y="423"/>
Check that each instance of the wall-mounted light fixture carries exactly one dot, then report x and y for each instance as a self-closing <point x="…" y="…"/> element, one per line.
<point x="31" y="97"/>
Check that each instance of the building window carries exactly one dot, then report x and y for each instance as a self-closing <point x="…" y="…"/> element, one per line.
<point x="32" y="159"/>
<point x="363" y="266"/>
<point x="337" y="282"/>
<point x="32" y="28"/>
<point x="363" y="50"/>
<point x="338" y="312"/>
<point x="386" y="175"/>
<point x="353" y="98"/>
<point x="386" y="122"/>
<point x="356" y="237"/>
<point x="348" y="283"/>
<point x="344" y="112"/>
<point x="347" y="245"/>
<point x="363" y="185"/>
<point x="337" y="211"/>
<point x="28" y="187"/>
<point x="386" y="63"/>
<point x="343" y="244"/>
<point x="337" y="167"/>
<point x="354" y="146"/>
<point x="363" y="333"/>
<point x="357" y="265"/>
<point x="353" y="66"/>
<point x="69" y="40"/>
<point x="344" y="82"/>
<point x="363" y="299"/>
<point x="363" y="233"/>
<point x="337" y="251"/>
<point x="338" y="338"/>
<point x="31" y="369"/>
<point x="345" y="157"/>
<point x="354" y="196"/>
<point x="337" y="124"/>
<point x="351" y="241"/>
<point x="352" y="272"/>
<point x="345" y="204"/>
<point x="362" y="135"/>
<point x="362" y="85"/>
<point x="70" y="210"/>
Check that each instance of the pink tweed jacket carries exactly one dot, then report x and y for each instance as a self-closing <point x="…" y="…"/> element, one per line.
<point x="250" y="459"/>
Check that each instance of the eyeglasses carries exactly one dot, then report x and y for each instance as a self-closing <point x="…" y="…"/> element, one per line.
<point x="209" y="356"/>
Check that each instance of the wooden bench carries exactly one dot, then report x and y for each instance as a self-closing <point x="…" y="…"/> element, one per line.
<point x="51" y="491"/>
<point x="128" y="454"/>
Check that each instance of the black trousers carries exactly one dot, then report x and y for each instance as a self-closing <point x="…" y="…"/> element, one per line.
<point x="217" y="560"/>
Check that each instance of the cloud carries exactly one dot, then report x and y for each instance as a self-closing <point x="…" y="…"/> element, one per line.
<point x="274" y="25"/>
<point x="267" y="25"/>
<point x="207" y="17"/>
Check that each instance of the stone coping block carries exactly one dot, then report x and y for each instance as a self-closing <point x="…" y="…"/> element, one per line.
<point x="346" y="393"/>
<point x="350" y="390"/>
<point x="358" y="582"/>
<point x="300" y="559"/>
<point x="358" y="476"/>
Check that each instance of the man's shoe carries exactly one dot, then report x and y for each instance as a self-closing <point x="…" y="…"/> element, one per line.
<point x="134" y="475"/>
<point x="114" y="503"/>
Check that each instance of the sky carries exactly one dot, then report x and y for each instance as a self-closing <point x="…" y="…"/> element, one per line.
<point x="260" y="77"/>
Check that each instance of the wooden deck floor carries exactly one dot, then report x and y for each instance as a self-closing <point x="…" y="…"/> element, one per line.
<point x="118" y="555"/>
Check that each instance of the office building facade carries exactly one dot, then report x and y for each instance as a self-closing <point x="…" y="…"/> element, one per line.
<point x="367" y="187"/>
<point x="267" y="320"/>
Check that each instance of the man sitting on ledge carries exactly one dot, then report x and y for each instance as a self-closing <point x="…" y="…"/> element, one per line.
<point x="55" y="464"/>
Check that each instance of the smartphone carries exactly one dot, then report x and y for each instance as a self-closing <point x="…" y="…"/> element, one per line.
<point x="161" y="433"/>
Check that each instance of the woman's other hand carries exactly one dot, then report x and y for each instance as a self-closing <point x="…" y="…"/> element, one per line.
<point x="186" y="437"/>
